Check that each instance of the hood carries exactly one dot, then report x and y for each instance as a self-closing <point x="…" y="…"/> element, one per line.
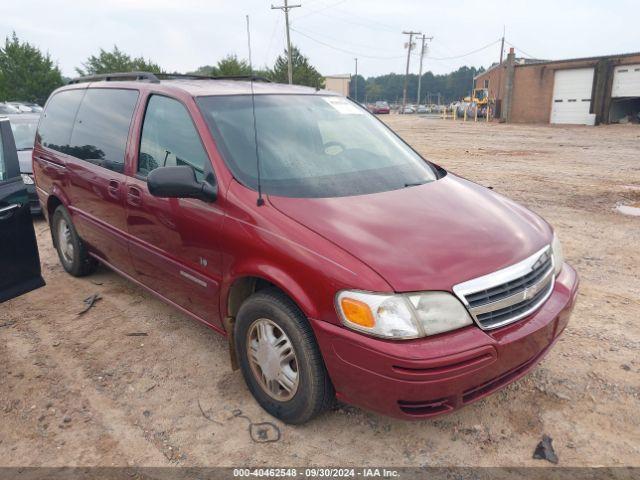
<point x="427" y="237"/>
<point x="24" y="159"/>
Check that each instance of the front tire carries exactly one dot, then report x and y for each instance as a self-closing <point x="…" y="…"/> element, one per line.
<point x="71" y="249"/>
<point x="280" y="359"/>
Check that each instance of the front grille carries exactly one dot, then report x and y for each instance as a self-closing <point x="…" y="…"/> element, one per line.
<point x="502" y="314"/>
<point x="509" y="294"/>
<point x="509" y="288"/>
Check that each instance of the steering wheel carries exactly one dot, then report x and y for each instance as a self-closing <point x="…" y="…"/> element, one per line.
<point x="334" y="148"/>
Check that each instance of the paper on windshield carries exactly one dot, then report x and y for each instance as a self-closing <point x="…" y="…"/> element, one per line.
<point x="343" y="106"/>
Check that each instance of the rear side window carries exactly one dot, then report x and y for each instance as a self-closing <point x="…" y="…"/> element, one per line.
<point x="169" y="138"/>
<point x="102" y="127"/>
<point x="57" y="121"/>
<point x="3" y="169"/>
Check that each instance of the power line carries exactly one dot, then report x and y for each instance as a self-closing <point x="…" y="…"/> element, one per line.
<point x="364" y="21"/>
<point x="351" y="21"/>
<point x="273" y="35"/>
<point x="468" y="53"/>
<point x="348" y="43"/>
<point x="519" y="49"/>
<point x="325" y="7"/>
<point x="344" y="50"/>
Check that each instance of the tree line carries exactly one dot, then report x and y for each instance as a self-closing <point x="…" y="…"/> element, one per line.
<point x="450" y="86"/>
<point x="28" y="74"/>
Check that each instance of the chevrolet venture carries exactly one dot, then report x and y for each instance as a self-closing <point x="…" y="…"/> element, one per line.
<point x="336" y="260"/>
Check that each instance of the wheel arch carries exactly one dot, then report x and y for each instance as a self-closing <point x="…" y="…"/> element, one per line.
<point x="242" y="285"/>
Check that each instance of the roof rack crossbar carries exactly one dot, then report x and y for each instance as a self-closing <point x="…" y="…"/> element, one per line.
<point x="111" y="77"/>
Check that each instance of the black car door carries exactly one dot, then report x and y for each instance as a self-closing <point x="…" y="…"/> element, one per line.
<point x="19" y="259"/>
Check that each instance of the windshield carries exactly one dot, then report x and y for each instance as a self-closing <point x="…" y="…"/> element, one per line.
<point x="311" y="146"/>
<point x="24" y="133"/>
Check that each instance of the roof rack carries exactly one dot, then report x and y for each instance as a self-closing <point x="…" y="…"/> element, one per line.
<point x="110" y="77"/>
<point x="155" y="77"/>
<point x="188" y="76"/>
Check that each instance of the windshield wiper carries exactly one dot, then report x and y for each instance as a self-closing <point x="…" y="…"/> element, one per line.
<point x="413" y="184"/>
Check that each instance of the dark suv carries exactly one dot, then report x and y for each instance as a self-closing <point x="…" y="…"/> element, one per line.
<point x="337" y="261"/>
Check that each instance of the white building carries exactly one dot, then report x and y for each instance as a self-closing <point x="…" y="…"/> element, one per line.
<point x="338" y="83"/>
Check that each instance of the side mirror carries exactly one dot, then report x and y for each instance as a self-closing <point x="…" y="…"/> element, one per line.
<point x="179" y="182"/>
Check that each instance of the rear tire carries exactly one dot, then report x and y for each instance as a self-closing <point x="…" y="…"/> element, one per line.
<point x="280" y="359"/>
<point x="71" y="249"/>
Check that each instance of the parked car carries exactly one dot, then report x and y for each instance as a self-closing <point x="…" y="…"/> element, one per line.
<point x="381" y="108"/>
<point x="21" y="107"/>
<point x="35" y="108"/>
<point x="24" y="126"/>
<point x="408" y="109"/>
<point x="19" y="259"/>
<point x="335" y="259"/>
<point x="422" y="109"/>
<point x="6" y="109"/>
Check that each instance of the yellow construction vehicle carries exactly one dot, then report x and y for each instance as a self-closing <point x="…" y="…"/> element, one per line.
<point x="479" y="102"/>
<point x="479" y="96"/>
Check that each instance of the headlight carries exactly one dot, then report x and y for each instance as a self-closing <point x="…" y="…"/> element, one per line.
<point x="401" y="316"/>
<point x="556" y="250"/>
<point x="27" y="179"/>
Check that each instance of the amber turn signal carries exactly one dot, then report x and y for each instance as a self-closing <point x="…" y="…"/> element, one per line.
<point x="357" y="312"/>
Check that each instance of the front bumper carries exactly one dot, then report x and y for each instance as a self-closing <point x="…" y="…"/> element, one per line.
<point x="430" y="376"/>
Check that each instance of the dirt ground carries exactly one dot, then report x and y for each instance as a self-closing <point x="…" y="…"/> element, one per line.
<point x="81" y="390"/>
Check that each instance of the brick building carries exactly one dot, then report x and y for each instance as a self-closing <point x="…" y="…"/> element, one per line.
<point x="585" y="91"/>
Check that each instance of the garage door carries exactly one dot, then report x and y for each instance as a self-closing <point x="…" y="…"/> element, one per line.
<point x="572" y="97"/>
<point x="626" y="81"/>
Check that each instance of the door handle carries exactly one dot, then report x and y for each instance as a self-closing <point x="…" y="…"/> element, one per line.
<point x="134" y="196"/>
<point x="6" y="212"/>
<point x="113" y="188"/>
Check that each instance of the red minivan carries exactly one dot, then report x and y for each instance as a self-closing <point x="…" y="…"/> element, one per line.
<point x="337" y="261"/>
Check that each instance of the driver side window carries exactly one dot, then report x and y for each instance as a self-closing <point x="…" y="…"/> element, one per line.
<point x="169" y="138"/>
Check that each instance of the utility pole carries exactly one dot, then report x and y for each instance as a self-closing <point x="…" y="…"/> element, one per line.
<point x="285" y="8"/>
<point x="502" y="45"/>
<point x="406" y="75"/>
<point x="423" y="38"/>
<point x="498" y="99"/>
<point x="356" y="92"/>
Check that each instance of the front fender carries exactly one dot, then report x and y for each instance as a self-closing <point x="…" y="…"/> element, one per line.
<point x="262" y="242"/>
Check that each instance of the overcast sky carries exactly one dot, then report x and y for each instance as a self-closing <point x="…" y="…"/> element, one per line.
<point x="182" y="35"/>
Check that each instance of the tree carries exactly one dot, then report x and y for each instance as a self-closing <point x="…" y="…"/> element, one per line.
<point x="229" y="66"/>
<point x="303" y="72"/>
<point x="25" y="73"/>
<point x="362" y="87"/>
<point x="374" y="92"/>
<point x="116" y="61"/>
<point x="451" y="86"/>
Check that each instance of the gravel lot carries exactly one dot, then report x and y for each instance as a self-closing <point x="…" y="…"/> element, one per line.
<point x="80" y="390"/>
